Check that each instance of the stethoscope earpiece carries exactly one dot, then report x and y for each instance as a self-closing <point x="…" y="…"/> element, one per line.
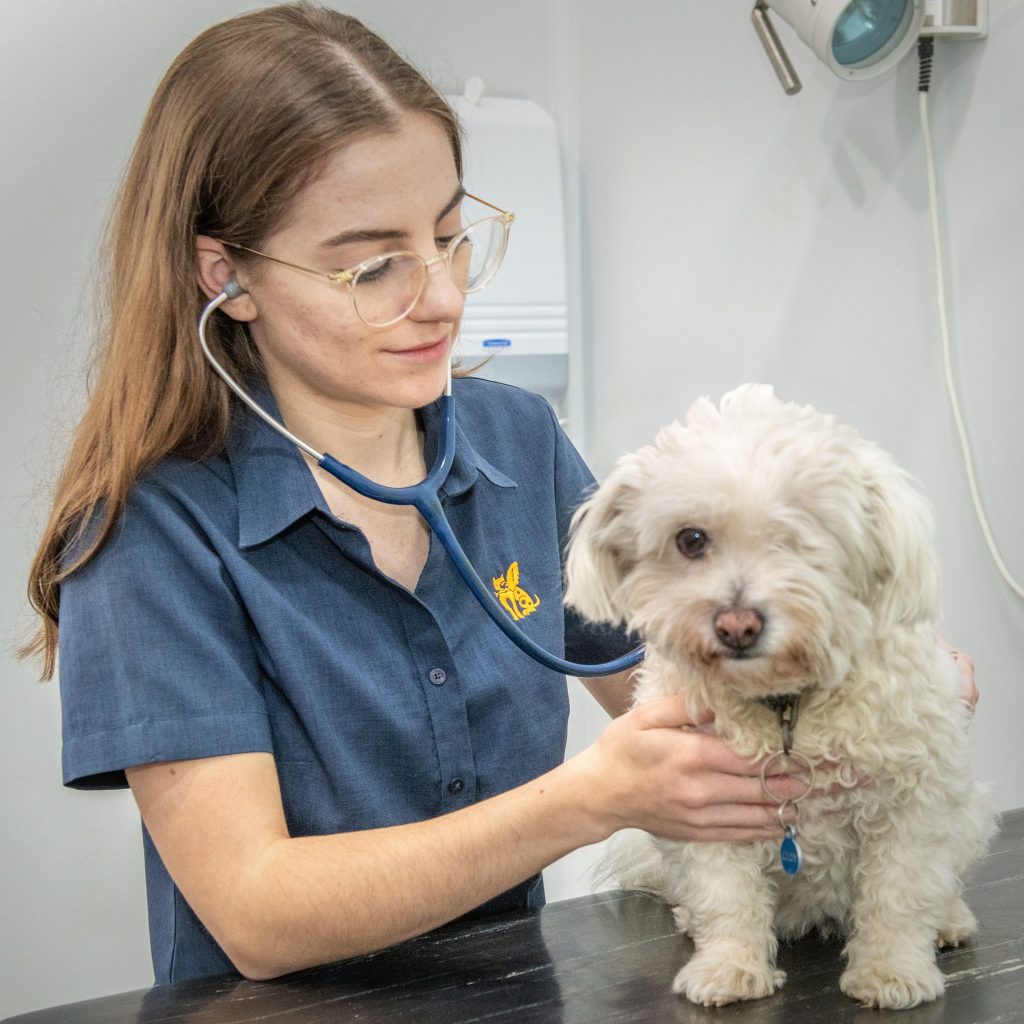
<point x="233" y="289"/>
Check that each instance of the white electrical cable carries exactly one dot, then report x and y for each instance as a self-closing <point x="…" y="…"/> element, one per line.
<point x="933" y="196"/>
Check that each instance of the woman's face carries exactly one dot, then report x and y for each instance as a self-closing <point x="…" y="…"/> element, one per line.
<point x="379" y="194"/>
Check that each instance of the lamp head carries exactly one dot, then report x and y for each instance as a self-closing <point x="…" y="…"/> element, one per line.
<point x="855" y="38"/>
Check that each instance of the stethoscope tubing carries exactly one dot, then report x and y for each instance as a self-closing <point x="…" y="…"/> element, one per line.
<point x="425" y="498"/>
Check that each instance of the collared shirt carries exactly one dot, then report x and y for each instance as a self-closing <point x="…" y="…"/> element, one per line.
<point x="231" y="612"/>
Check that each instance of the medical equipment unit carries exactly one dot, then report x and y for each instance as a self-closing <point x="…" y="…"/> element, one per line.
<point x="424" y="496"/>
<point x="862" y="38"/>
<point x="520" y="324"/>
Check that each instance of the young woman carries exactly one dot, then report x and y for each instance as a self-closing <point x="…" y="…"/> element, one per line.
<point x="331" y="747"/>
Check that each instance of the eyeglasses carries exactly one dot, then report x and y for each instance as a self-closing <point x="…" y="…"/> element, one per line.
<point x="385" y="289"/>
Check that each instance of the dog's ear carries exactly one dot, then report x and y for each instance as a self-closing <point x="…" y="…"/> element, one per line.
<point x="601" y="551"/>
<point x="903" y="572"/>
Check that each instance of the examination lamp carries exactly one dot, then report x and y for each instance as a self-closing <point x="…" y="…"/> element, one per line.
<point x="855" y="38"/>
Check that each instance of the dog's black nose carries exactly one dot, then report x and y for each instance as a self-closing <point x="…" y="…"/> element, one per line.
<point x="738" y="628"/>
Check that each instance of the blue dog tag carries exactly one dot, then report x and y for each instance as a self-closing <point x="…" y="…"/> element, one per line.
<point x="789" y="853"/>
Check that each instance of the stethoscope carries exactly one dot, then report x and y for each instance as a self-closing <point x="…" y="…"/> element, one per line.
<point x="424" y="497"/>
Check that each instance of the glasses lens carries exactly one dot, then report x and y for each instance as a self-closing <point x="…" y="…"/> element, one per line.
<point x="478" y="256"/>
<point x="387" y="288"/>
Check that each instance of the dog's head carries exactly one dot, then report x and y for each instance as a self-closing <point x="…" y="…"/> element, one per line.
<point x="760" y="543"/>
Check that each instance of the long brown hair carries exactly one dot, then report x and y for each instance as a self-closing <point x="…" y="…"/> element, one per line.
<point x="247" y="114"/>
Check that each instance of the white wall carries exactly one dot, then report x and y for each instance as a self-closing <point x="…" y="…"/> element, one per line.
<point x="729" y="233"/>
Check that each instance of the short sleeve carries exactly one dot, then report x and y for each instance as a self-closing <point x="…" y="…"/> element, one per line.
<point x="586" y="642"/>
<point x="156" y="656"/>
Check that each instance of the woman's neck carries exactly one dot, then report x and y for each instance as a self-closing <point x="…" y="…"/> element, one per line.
<point x="382" y="442"/>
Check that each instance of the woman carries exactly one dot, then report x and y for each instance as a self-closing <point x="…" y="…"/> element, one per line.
<point x="331" y="748"/>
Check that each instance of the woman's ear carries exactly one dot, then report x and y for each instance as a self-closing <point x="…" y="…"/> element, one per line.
<point x="214" y="269"/>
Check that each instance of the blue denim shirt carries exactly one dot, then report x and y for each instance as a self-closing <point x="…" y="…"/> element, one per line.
<point x="231" y="611"/>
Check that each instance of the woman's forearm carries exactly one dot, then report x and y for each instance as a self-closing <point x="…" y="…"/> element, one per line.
<point x="316" y="899"/>
<point x="277" y="904"/>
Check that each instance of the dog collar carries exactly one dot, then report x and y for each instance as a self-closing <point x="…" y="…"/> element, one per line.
<point x="786" y="707"/>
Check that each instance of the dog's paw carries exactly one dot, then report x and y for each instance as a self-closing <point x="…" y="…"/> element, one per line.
<point x="714" y="977"/>
<point x="881" y="985"/>
<point x="960" y="925"/>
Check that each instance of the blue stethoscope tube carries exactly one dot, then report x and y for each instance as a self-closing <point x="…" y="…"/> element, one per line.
<point x="424" y="497"/>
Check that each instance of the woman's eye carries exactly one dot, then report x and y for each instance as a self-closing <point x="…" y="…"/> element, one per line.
<point x="444" y="241"/>
<point x="692" y="541"/>
<point x="376" y="272"/>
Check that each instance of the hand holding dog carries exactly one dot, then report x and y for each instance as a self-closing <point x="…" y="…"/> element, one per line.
<point x="654" y="769"/>
<point x="657" y="770"/>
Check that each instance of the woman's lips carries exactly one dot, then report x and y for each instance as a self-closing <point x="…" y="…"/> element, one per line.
<point x="424" y="353"/>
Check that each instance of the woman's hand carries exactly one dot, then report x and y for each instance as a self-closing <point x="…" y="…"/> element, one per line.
<point x="652" y="769"/>
<point x="965" y="664"/>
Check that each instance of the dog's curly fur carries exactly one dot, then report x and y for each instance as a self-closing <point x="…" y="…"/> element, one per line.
<point x="823" y="538"/>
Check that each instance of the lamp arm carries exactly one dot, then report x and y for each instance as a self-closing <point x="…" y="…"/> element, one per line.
<point x="773" y="47"/>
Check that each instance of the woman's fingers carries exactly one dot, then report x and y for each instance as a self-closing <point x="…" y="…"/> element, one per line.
<point x="729" y="823"/>
<point x="737" y="779"/>
<point x="672" y="778"/>
<point x="965" y="665"/>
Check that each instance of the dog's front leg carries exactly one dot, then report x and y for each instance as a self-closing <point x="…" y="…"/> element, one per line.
<point x="905" y="883"/>
<point x="729" y="906"/>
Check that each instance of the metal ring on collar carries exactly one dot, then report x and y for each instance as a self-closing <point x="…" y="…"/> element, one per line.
<point x="801" y="762"/>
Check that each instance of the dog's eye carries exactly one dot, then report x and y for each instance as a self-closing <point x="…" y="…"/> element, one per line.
<point x="692" y="541"/>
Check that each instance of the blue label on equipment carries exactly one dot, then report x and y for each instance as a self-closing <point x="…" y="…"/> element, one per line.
<point x="497" y="343"/>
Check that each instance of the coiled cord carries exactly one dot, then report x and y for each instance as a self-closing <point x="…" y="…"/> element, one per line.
<point x="925" y="56"/>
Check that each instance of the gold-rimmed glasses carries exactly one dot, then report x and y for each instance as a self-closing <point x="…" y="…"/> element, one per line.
<point x="386" y="288"/>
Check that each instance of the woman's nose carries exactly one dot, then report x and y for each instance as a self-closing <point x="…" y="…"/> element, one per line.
<point x="440" y="301"/>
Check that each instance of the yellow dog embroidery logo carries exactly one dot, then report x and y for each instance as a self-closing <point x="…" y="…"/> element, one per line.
<point x="516" y="601"/>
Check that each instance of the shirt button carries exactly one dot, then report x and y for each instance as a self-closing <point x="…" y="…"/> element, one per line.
<point x="438" y="676"/>
<point x="456" y="786"/>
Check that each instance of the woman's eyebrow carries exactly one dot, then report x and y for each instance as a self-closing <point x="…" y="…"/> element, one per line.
<point x="361" y="235"/>
<point x="457" y="197"/>
<point x="386" y="234"/>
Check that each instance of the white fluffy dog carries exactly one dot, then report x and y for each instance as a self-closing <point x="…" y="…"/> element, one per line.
<point x="763" y="549"/>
